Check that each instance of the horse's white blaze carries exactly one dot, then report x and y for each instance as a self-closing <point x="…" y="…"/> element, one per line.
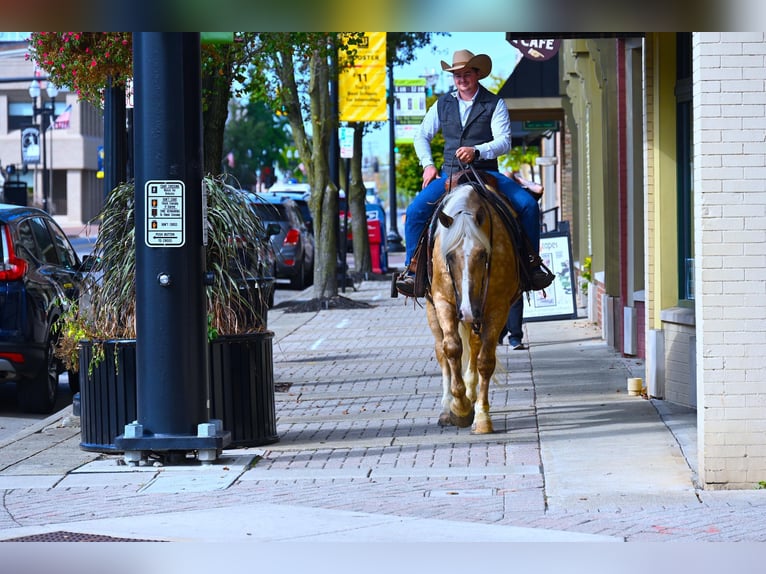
<point x="465" y="292"/>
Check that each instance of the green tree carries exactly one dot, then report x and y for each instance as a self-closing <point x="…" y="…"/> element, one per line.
<point x="85" y="61"/>
<point x="256" y="138"/>
<point x="401" y="48"/>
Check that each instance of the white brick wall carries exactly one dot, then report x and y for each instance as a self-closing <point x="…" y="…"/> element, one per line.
<point x="730" y="256"/>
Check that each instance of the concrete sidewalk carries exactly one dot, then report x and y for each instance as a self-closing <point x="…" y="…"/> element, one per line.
<point x="362" y="458"/>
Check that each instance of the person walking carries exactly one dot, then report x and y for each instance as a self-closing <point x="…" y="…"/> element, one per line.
<point x="477" y="130"/>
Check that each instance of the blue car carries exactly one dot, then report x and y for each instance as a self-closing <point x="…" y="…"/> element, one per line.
<point x="39" y="271"/>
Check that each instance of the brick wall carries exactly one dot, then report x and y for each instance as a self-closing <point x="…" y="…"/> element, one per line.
<point x="730" y="251"/>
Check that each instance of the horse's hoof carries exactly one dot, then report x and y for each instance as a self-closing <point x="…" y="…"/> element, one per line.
<point x="461" y="422"/>
<point x="485" y="428"/>
<point x="445" y="420"/>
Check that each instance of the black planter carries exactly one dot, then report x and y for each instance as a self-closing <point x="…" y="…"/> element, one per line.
<point x="107" y="395"/>
<point x="241" y="391"/>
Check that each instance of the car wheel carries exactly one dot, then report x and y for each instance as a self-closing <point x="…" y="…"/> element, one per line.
<point x="38" y="394"/>
<point x="298" y="281"/>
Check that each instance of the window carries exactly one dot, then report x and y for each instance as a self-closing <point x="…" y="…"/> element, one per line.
<point x="685" y="166"/>
<point x="44" y="243"/>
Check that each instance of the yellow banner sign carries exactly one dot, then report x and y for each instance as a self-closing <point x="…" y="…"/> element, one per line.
<point x="362" y="86"/>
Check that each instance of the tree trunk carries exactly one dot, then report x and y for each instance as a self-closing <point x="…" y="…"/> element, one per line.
<point x="314" y="152"/>
<point x="326" y="204"/>
<point x="356" y="195"/>
<point x="216" y="89"/>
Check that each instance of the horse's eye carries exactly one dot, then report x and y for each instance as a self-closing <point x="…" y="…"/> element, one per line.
<point x="450" y="258"/>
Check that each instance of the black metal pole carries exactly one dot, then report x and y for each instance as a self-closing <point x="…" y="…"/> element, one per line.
<point x="115" y="140"/>
<point x="45" y="182"/>
<point x="171" y="333"/>
<point x="393" y="238"/>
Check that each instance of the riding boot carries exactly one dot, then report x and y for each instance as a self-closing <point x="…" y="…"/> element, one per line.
<point x="539" y="276"/>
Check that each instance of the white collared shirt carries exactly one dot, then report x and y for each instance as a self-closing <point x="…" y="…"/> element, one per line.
<point x="429" y="127"/>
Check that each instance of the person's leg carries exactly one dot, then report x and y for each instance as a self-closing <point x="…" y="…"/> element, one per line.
<point x="419" y="212"/>
<point x="513" y="324"/>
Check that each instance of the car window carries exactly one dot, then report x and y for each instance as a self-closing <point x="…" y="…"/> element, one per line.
<point x="270" y="212"/>
<point x="26" y="247"/>
<point x="66" y="254"/>
<point x="45" y="245"/>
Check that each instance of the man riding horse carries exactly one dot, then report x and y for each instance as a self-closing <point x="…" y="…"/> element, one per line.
<point x="477" y="130"/>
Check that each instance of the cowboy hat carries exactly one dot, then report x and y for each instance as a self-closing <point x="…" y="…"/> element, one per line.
<point x="464" y="59"/>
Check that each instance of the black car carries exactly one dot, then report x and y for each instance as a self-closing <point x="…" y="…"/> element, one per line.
<point x="39" y="272"/>
<point x="294" y="244"/>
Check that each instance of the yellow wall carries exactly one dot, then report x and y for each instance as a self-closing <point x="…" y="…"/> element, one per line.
<point x="663" y="249"/>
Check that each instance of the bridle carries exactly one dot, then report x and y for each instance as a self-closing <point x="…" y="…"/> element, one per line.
<point x="479" y="186"/>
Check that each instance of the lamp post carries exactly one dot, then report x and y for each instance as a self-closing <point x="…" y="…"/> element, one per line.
<point x="46" y="112"/>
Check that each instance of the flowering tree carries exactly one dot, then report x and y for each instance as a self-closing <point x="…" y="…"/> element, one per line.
<point x="84" y="62"/>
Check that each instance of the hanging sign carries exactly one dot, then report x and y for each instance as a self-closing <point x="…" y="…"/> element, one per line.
<point x="538" y="50"/>
<point x="30" y="145"/>
<point x="410" y="107"/>
<point x="362" y="86"/>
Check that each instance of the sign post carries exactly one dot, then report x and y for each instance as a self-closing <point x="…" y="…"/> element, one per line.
<point x="171" y="322"/>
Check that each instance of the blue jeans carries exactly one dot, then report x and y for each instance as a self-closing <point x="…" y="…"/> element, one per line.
<point x="423" y="205"/>
<point x="515" y="316"/>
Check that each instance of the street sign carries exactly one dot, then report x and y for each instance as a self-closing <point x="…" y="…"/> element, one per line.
<point x="539" y="125"/>
<point x="346" y="140"/>
<point x="164" y="210"/>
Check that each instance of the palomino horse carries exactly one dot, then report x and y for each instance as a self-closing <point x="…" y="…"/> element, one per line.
<point x="474" y="281"/>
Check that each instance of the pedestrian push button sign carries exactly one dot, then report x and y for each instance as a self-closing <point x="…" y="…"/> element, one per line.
<point x="165" y="213"/>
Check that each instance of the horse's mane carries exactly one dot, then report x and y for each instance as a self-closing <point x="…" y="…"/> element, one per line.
<point x="457" y="206"/>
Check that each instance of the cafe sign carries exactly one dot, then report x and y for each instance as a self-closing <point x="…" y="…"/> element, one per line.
<point x="538" y="50"/>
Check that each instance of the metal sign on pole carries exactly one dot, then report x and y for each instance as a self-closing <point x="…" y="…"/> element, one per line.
<point x="171" y="322"/>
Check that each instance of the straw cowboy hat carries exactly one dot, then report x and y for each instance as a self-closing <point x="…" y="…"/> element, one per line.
<point x="465" y="59"/>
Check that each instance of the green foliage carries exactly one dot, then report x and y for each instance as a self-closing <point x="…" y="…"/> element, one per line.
<point x="107" y="309"/>
<point x="409" y="173"/>
<point x="518" y="156"/>
<point x="256" y="137"/>
<point x="586" y="274"/>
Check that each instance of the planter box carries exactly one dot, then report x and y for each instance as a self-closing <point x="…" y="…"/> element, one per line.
<point x="241" y="390"/>
<point x="107" y="395"/>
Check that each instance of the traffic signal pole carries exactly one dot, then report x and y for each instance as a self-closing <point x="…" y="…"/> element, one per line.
<point x="171" y="326"/>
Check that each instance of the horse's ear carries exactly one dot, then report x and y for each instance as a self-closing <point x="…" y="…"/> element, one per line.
<point x="445" y="219"/>
<point x="481" y="215"/>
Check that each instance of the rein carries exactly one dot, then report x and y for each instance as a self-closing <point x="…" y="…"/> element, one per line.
<point x="477" y="323"/>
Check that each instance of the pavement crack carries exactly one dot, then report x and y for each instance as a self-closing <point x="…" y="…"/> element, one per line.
<point x="8" y="512"/>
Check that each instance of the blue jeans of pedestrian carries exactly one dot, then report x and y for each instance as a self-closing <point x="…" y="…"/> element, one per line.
<point x="515" y="317"/>
<point x="423" y="205"/>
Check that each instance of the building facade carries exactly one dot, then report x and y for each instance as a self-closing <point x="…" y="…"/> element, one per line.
<point x="669" y="194"/>
<point x="71" y="146"/>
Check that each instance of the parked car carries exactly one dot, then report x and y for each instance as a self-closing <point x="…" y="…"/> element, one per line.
<point x="294" y="244"/>
<point x="39" y="272"/>
<point x="300" y="195"/>
<point x="259" y="260"/>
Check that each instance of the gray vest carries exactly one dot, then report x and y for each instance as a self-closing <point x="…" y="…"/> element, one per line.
<point x="477" y="130"/>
